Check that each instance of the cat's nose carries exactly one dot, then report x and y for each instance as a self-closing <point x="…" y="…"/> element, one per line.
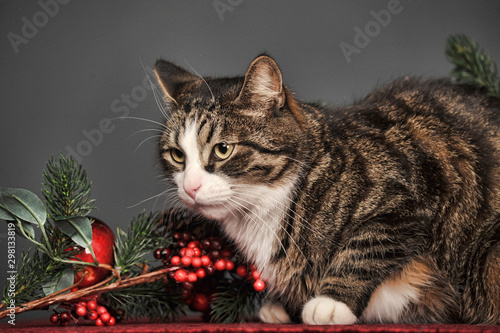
<point x="191" y="189"/>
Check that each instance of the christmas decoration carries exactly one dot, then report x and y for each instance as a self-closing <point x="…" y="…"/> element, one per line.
<point x="102" y="244"/>
<point x="79" y="270"/>
<point x="472" y="65"/>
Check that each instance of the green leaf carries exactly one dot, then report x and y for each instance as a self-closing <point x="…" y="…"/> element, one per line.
<point x="5" y="215"/>
<point x="27" y="228"/>
<point x="78" y="229"/>
<point x="66" y="280"/>
<point x="23" y="204"/>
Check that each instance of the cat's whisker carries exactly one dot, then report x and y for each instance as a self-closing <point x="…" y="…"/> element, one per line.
<point x="143" y="141"/>
<point x="143" y="119"/>
<point x="201" y="77"/>
<point x="150" y="198"/>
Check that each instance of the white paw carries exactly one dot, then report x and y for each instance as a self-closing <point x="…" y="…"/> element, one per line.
<point x="272" y="313"/>
<point x="326" y="311"/>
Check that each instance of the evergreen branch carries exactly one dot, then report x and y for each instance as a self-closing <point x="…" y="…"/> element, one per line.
<point x="66" y="188"/>
<point x="155" y="300"/>
<point x="235" y="300"/>
<point x="472" y="65"/>
<point x="141" y="239"/>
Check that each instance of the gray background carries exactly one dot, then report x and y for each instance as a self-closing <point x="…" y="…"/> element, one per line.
<point x="83" y="61"/>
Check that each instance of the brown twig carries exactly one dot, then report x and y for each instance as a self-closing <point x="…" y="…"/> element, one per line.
<point x="97" y="289"/>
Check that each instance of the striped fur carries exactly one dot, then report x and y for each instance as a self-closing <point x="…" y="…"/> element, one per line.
<point x="384" y="211"/>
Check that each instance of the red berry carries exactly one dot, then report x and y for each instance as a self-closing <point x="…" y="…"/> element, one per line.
<point x="201" y="303"/>
<point x="65" y="317"/>
<point x="192" y="277"/>
<point x="259" y="285"/>
<point x="196" y="262"/>
<point x="177" y="236"/>
<point x="81" y="310"/>
<point x="111" y="321"/>
<point x="182" y="243"/>
<point x="226" y="254"/>
<point x="180" y="275"/>
<point x="205" y="260"/>
<point x="241" y="271"/>
<point x="197" y="252"/>
<point x="205" y="244"/>
<point x="165" y="253"/>
<point x="101" y="309"/>
<point x="220" y="265"/>
<point x="216" y="245"/>
<point x="214" y="255"/>
<point x="189" y="252"/>
<point x="253" y="268"/>
<point x="182" y="252"/>
<point x="92" y="305"/>
<point x="54" y="318"/>
<point x="99" y="322"/>
<point x="256" y="275"/>
<point x="229" y="265"/>
<point x="210" y="269"/>
<point x="157" y="254"/>
<point x="188" y="285"/>
<point x="186" y="236"/>
<point x="92" y="315"/>
<point x="74" y="289"/>
<point x="175" y="260"/>
<point x="193" y="244"/>
<point x="201" y="273"/>
<point x="105" y="316"/>
<point x="186" y="261"/>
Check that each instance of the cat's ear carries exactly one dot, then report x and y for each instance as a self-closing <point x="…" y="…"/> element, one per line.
<point x="263" y="85"/>
<point x="172" y="78"/>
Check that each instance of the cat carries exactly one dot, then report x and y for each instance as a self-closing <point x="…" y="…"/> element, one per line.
<point x="385" y="211"/>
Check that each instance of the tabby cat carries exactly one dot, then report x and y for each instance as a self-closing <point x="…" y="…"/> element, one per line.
<point x="384" y="211"/>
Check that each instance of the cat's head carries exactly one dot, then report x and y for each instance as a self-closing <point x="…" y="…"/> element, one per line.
<point x="230" y="143"/>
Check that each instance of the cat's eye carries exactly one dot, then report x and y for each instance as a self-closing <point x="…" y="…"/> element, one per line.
<point x="177" y="155"/>
<point x="223" y="150"/>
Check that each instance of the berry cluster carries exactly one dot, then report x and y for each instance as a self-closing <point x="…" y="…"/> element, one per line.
<point x="90" y="310"/>
<point x="200" y="264"/>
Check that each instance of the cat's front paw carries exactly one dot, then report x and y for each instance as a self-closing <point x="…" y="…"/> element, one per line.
<point x="326" y="311"/>
<point x="272" y="313"/>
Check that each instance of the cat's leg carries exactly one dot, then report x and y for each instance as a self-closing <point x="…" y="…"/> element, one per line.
<point x="273" y="313"/>
<point x="327" y="311"/>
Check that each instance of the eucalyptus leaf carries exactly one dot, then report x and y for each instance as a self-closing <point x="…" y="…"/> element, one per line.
<point x="66" y="280"/>
<point x="78" y="229"/>
<point x="27" y="228"/>
<point x="23" y="204"/>
<point x="5" y="215"/>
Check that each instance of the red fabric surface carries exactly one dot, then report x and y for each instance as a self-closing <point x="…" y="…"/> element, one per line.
<point x="195" y="327"/>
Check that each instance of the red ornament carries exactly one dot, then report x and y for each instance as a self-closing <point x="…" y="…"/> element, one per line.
<point x="103" y="241"/>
